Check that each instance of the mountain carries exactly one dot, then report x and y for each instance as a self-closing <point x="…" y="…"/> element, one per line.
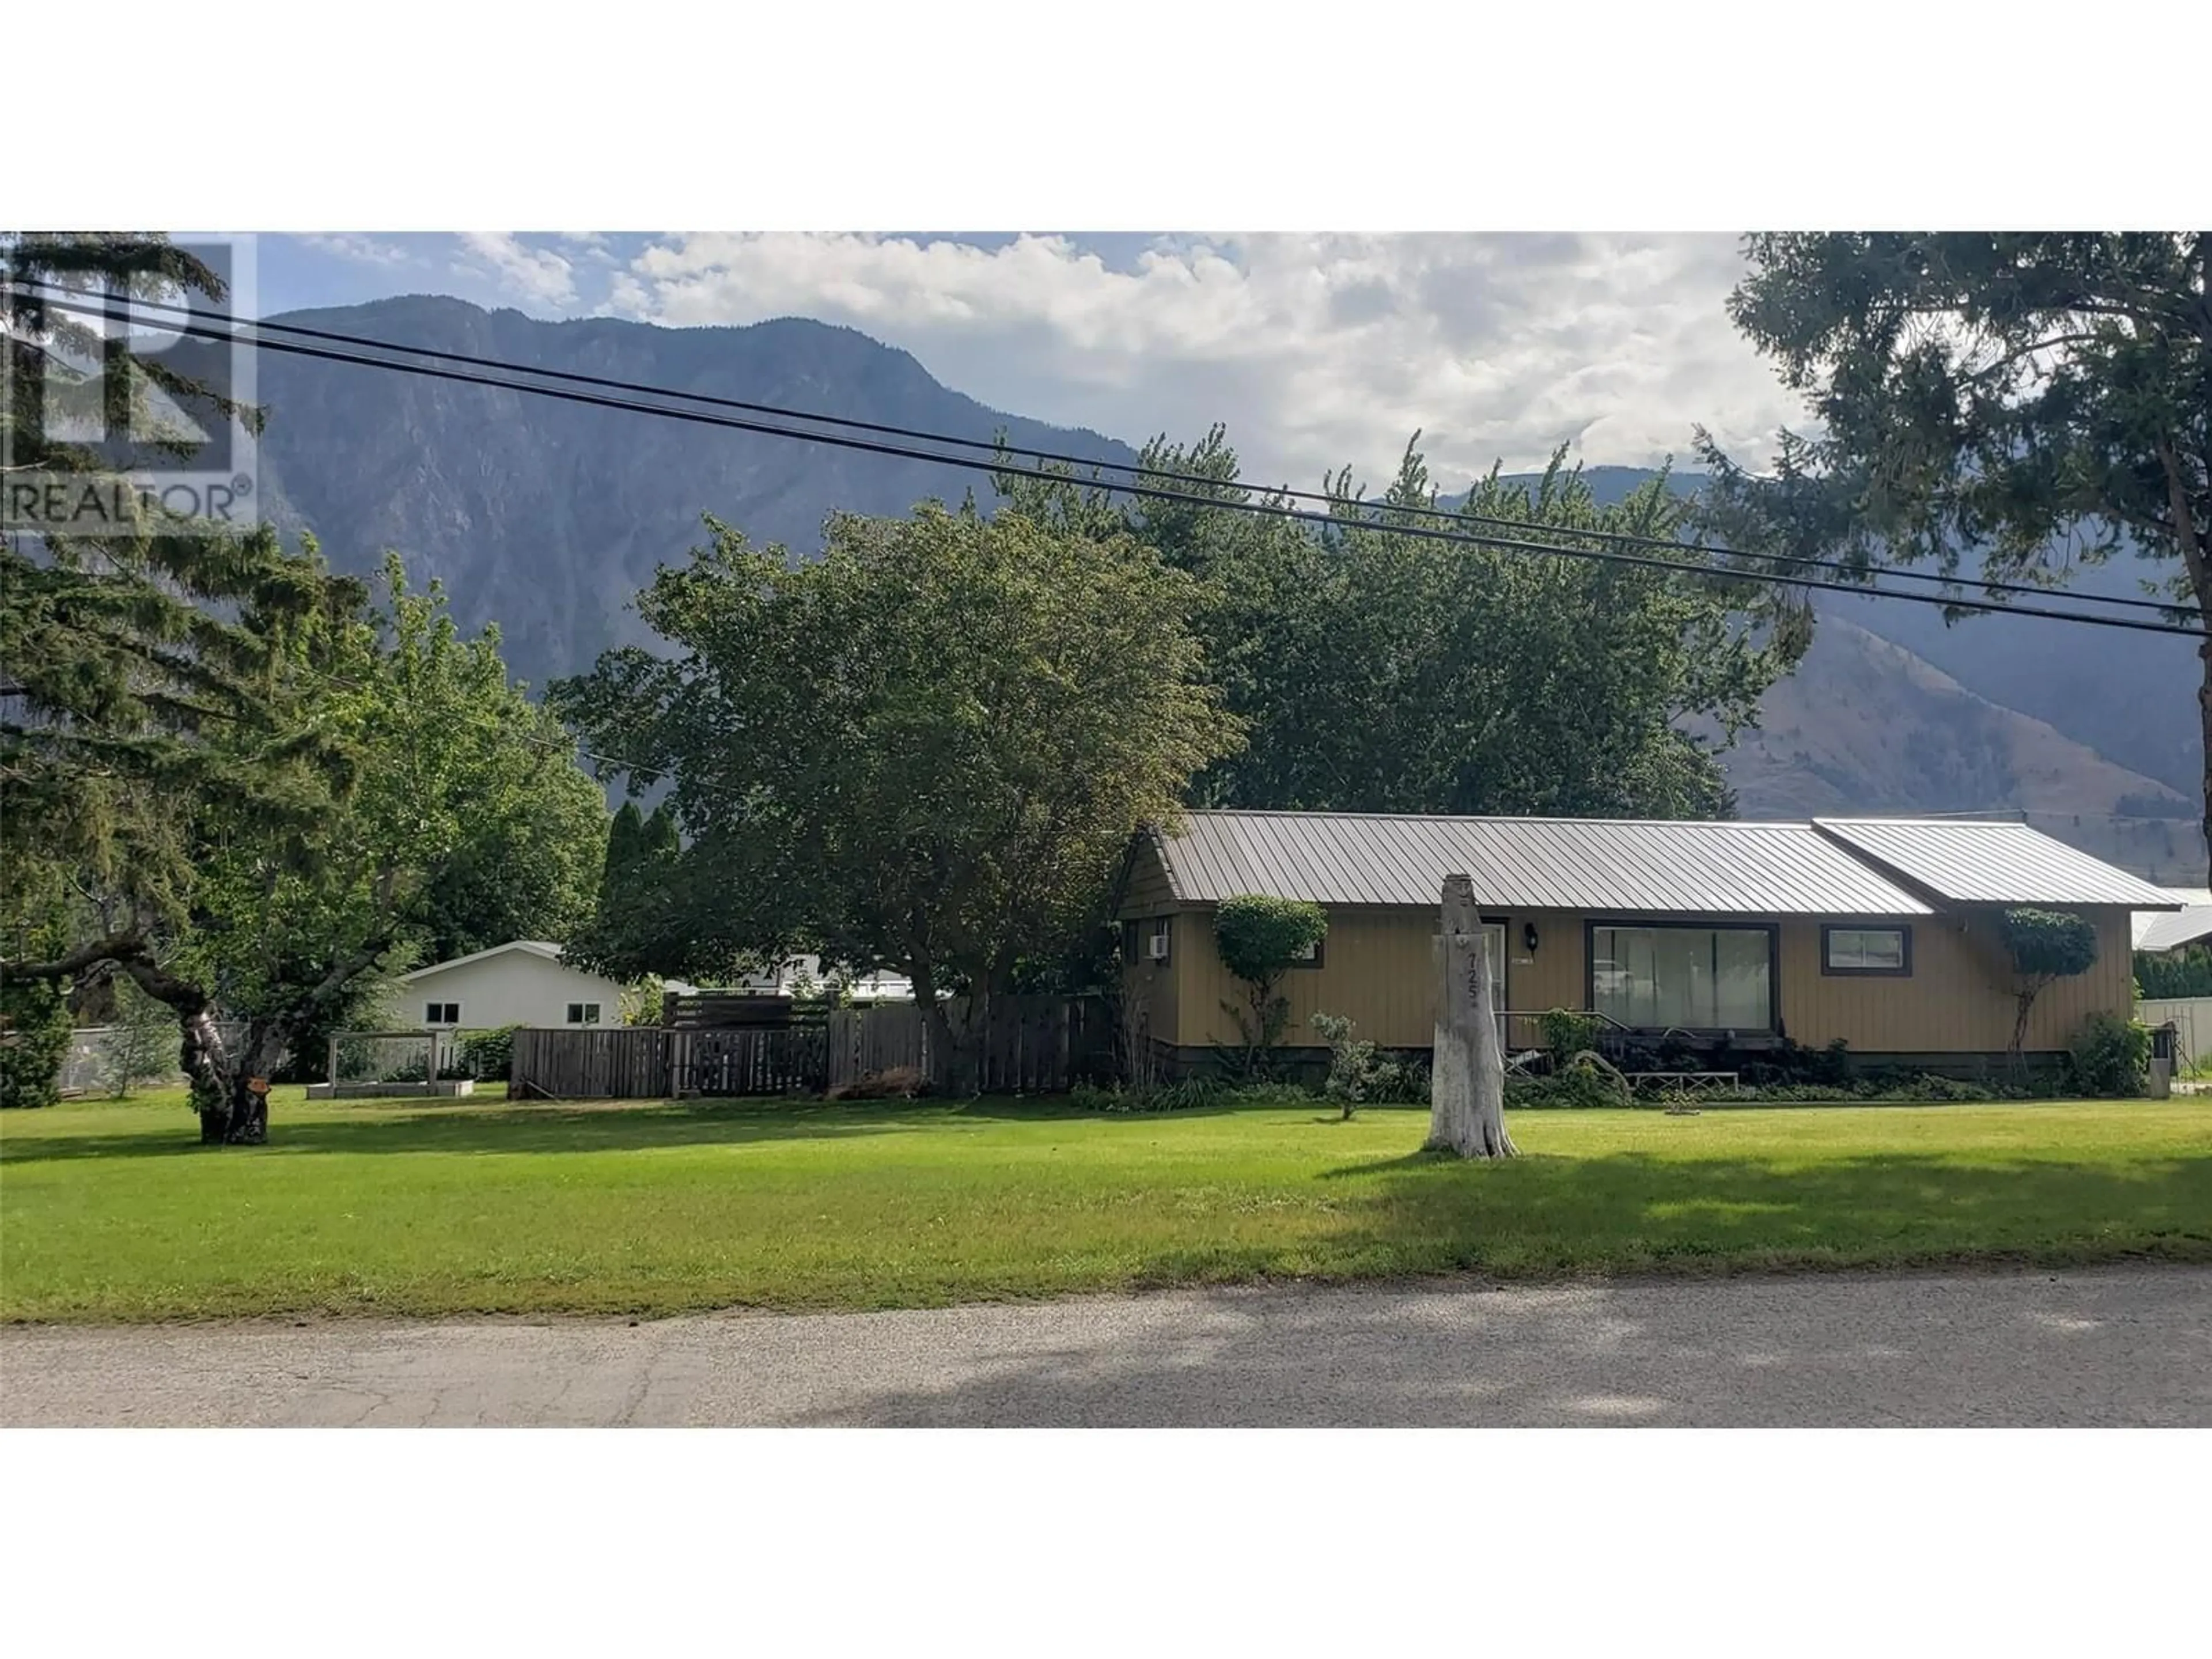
<point x="1865" y="726"/>
<point x="547" y="516"/>
<point x="2130" y="695"/>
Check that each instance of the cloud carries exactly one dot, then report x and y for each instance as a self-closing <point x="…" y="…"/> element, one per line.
<point x="536" y="275"/>
<point x="362" y="250"/>
<point x="1316" y="349"/>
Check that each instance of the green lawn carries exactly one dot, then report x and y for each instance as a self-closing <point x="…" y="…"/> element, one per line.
<point x="114" y="1213"/>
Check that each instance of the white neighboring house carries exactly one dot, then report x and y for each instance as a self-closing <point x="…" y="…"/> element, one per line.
<point x="2169" y="930"/>
<point x="522" y="983"/>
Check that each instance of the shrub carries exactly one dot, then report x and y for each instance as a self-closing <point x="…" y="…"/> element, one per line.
<point x="1190" y="1094"/>
<point x="1566" y="1035"/>
<point x="35" y="1035"/>
<point x="1585" y="1081"/>
<point x="1352" y="1064"/>
<point x="1400" y="1083"/>
<point x="2111" y="1056"/>
<point x="641" y="1003"/>
<point x="1259" y="938"/>
<point x="2184" y="973"/>
<point x="487" y="1057"/>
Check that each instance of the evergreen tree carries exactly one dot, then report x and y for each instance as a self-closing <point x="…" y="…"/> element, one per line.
<point x="2032" y="402"/>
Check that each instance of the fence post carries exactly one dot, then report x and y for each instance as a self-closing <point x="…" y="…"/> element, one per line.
<point x="333" y="1078"/>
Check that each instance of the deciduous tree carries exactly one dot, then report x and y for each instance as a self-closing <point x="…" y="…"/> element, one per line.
<point x="926" y="750"/>
<point x="1384" y="671"/>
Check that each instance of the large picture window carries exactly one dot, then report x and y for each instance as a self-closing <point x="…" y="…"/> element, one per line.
<point x="1703" y="979"/>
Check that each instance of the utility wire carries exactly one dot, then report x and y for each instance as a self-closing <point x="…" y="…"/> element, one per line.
<point x="1450" y="515"/>
<point x="700" y="417"/>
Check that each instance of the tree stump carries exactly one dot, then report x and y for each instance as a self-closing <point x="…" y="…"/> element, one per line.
<point x="1467" y="1083"/>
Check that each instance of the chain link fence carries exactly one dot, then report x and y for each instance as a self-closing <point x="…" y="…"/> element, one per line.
<point x="99" y="1056"/>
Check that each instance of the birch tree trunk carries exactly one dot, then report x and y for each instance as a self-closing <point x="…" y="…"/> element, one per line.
<point x="1466" y="1082"/>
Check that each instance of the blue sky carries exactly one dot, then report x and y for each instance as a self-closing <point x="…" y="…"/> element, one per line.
<point x="1316" y="349"/>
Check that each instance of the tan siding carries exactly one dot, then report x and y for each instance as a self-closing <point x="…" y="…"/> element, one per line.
<point x="1378" y="969"/>
<point x="1148" y="892"/>
<point x="1958" y="997"/>
<point x="1149" y="989"/>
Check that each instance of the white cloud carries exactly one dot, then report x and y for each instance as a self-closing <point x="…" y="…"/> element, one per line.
<point x="363" y="250"/>
<point x="536" y="275"/>
<point x="1316" y="349"/>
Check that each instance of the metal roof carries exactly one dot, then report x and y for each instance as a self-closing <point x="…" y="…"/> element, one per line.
<point x="536" y="947"/>
<point x="1993" y="863"/>
<point x="1563" y="864"/>
<point x="2156" y="931"/>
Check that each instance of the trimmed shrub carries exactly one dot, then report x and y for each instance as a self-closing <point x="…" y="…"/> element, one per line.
<point x="2043" y="945"/>
<point x="1260" y="939"/>
<point x="1352" y="1064"/>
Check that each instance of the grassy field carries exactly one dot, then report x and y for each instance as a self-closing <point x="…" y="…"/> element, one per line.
<point x="112" y="1212"/>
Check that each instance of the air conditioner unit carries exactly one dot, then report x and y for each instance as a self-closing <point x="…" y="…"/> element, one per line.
<point x="1157" y="947"/>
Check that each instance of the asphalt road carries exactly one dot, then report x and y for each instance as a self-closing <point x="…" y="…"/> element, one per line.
<point x="2129" y="1346"/>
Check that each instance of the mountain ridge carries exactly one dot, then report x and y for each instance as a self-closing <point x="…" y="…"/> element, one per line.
<point x="547" y="517"/>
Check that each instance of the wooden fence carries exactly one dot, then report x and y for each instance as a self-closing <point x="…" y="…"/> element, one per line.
<point x="620" y="1062"/>
<point x="721" y="1010"/>
<point x="1028" y="1045"/>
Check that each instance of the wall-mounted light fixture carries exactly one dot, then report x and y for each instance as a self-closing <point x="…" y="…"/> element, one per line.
<point x="1528" y="936"/>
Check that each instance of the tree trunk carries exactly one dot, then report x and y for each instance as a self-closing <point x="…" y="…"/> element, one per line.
<point x="1466" y="1083"/>
<point x="2024" y="1003"/>
<point x="232" y="1114"/>
<point x="2204" y="726"/>
<point x="938" y="1045"/>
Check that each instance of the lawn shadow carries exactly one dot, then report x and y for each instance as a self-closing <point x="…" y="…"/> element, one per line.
<point x="519" y="1127"/>
<point x="1545" y="1213"/>
<point x="399" y="1127"/>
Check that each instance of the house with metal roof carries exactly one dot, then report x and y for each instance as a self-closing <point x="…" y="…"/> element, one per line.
<point x="1883" y="933"/>
<point x="2158" y="932"/>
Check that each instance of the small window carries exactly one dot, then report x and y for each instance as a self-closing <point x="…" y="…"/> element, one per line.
<point x="441" y="1013"/>
<point x="583" y="1013"/>
<point x="1867" y="951"/>
<point x="1308" y="956"/>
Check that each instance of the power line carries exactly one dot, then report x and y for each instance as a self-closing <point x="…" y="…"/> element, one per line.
<point x="700" y="417"/>
<point x="1455" y="516"/>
